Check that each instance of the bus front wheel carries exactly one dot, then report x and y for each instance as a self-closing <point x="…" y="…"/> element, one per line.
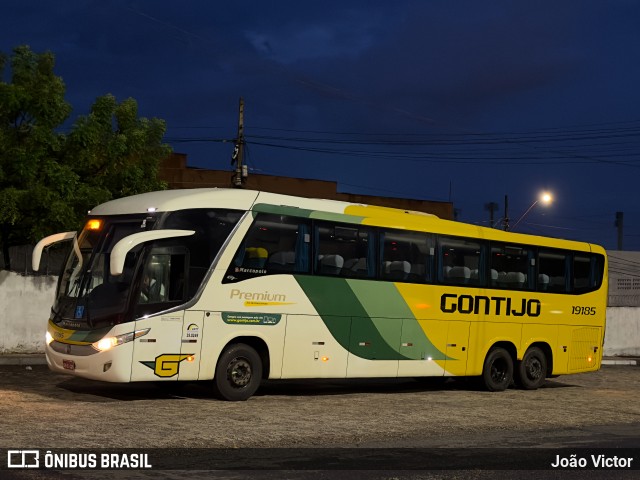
<point x="497" y="372"/>
<point x="532" y="370"/>
<point x="238" y="373"/>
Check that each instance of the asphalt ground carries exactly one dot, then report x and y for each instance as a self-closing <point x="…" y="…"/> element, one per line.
<point x="378" y="428"/>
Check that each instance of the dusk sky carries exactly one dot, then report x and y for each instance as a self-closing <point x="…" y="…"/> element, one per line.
<point x="461" y="101"/>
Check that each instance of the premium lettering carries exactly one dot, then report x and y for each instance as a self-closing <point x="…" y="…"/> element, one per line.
<point x="258" y="296"/>
<point x="481" y="304"/>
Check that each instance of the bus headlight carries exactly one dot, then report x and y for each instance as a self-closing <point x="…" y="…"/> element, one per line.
<point x="108" y="343"/>
<point x="48" y="338"/>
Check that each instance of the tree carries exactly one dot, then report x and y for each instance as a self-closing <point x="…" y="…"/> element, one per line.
<point x="48" y="180"/>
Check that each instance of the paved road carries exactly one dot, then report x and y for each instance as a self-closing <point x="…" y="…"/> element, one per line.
<point x="597" y="412"/>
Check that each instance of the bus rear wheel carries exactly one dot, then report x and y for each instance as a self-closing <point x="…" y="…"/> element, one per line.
<point x="532" y="370"/>
<point x="497" y="372"/>
<point x="238" y="373"/>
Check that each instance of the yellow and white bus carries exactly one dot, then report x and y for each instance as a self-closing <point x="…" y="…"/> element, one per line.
<point x="236" y="286"/>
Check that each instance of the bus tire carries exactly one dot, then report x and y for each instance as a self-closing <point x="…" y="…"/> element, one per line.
<point x="238" y="373"/>
<point x="532" y="370"/>
<point x="497" y="373"/>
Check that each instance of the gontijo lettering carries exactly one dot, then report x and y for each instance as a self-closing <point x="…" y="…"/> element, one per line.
<point x="475" y="304"/>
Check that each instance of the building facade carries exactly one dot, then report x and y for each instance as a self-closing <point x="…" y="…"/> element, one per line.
<point x="177" y="174"/>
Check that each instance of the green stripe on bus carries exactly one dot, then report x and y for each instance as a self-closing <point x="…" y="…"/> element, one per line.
<point x="370" y="319"/>
<point x="305" y="213"/>
<point x="339" y="306"/>
<point x="382" y="299"/>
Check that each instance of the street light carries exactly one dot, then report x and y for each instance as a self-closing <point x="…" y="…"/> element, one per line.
<point x="545" y="198"/>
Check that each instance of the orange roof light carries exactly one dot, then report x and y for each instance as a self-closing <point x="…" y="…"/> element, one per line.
<point x="94" y="224"/>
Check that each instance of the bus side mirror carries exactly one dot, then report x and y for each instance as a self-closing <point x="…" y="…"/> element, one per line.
<point x="45" y="242"/>
<point x="120" y="249"/>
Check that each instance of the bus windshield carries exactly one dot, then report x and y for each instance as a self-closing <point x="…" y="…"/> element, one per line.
<point x="157" y="275"/>
<point x="87" y="293"/>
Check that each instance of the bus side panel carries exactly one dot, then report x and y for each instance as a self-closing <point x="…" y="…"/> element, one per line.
<point x="222" y="328"/>
<point x="579" y="348"/>
<point x="457" y="348"/>
<point x="562" y="350"/>
<point x="483" y="335"/>
<point x="311" y="351"/>
<point x="363" y="368"/>
<point x="156" y="355"/>
<point x="426" y="361"/>
<point x="192" y="331"/>
<point x="537" y="333"/>
<point x="373" y="347"/>
<point x="585" y="352"/>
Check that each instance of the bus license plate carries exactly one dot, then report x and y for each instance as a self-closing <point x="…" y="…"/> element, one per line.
<point x="69" y="364"/>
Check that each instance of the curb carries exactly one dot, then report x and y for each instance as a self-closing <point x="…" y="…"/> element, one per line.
<point x="23" y="359"/>
<point x="619" y="361"/>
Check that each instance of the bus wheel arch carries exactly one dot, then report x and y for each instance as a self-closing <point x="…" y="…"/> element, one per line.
<point x="242" y="365"/>
<point x="498" y="367"/>
<point x="536" y="364"/>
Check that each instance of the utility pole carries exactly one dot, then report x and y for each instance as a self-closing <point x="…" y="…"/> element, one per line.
<point x="619" y="224"/>
<point x="505" y="222"/>
<point x="492" y="207"/>
<point x="240" y="174"/>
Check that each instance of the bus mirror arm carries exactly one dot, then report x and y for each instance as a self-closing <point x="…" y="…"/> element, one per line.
<point x="45" y="242"/>
<point x="120" y="249"/>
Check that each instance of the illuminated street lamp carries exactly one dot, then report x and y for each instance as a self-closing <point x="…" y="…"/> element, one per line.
<point x="545" y="198"/>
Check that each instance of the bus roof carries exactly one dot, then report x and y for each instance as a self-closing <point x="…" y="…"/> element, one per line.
<point x="171" y="200"/>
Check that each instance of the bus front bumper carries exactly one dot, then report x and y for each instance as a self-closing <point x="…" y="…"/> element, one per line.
<point x="84" y="361"/>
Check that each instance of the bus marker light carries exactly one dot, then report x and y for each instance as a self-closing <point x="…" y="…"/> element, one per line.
<point x="325" y="359"/>
<point x="94" y="224"/>
<point x="589" y="359"/>
<point x="191" y="358"/>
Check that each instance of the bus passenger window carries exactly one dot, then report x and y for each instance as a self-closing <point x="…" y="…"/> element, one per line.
<point x="461" y="262"/>
<point x="511" y="267"/>
<point x="587" y="272"/>
<point x="406" y="256"/>
<point x="552" y="268"/>
<point x="255" y="257"/>
<point x="274" y="244"/>
<point x="345" y="250"/>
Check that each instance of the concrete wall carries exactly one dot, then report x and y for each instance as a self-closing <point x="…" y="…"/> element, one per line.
<point x="25" y="303"/>
<point x="622" y="336"/>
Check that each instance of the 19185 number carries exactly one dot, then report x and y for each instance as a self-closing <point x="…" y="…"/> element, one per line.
<point x="579" y="310"/>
